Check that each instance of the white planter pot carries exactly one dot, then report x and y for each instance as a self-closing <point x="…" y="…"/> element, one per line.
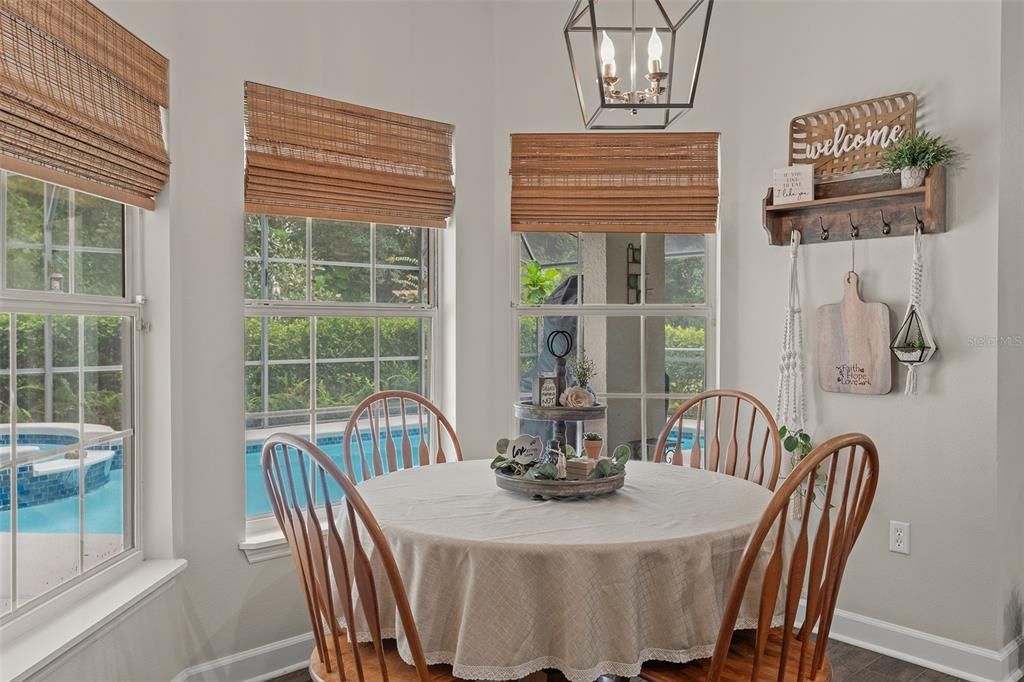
<point x="912" y="177"/>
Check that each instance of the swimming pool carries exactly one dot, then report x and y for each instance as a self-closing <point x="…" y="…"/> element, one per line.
<point x="256" y="502"/>
<point x="104" y="499"/>
<point x="48" y="488"/>
<point x="104" y="512"/>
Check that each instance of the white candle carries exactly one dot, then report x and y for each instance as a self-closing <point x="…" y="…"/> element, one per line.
<point x="607" y="56"/>
<point x="654" y="50"/>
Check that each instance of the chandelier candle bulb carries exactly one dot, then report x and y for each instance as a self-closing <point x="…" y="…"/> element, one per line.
<point x="654" y="50"/>
<point x="607" y="56"/>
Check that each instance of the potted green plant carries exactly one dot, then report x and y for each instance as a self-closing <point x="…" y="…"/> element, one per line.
<point x="911" y="349"/>
<point x="913" y="154"/>
<point x="592" y="443"/>
<point x="583" y="370"/>
<point x="797" y="444"/>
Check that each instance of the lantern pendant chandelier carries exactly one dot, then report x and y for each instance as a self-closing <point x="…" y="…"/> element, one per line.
<point x="643" y="98"/>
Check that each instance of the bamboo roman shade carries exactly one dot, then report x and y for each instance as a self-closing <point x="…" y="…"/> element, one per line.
<point x="316" y="157"/>
<point x="622" y="182"/>
<point x="80" y="100"/>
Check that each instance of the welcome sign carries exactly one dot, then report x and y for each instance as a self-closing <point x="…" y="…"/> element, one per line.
<point x="850" y="138"/>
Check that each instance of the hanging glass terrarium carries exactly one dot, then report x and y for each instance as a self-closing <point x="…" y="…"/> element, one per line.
<point x="913" y="343"/>
<point x="636" y="62"/>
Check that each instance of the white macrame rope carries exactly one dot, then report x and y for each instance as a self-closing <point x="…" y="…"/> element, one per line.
<point x="916" y="291"/>
<point x="790" y="404"/>
<point x="916" y="272"/>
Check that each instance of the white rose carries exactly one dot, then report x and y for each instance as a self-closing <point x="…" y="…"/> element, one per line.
<point x="576" y="397"/>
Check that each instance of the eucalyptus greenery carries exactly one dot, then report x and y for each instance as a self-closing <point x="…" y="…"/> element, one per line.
<point x="611" y="467"/>
<point x="922" y="150"/>
<point x="547" y="471"/>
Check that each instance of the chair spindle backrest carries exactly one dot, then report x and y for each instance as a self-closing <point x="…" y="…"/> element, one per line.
<point x="424" y="435"/>
<point x="832" y="488"/>
<point x="732" y="432"/>
<point x="298" y="477"/>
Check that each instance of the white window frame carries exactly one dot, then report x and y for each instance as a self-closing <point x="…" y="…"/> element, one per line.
<point x="708" y="310"/>
<point x="266" y="524"/>
<point x="130" y="305"/>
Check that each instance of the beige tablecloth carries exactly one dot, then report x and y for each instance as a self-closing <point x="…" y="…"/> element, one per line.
<point x="502" y="585"/>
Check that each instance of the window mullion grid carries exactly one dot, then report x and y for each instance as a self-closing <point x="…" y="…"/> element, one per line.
<point x="12" y="363"/>
<point x="265" y="321"/>
<point x="313" y="309"/>
<point x="312" y="349"/>
<point x="312" y="396"/>
<point x="3" y="232"/>
<point x="373" y="301"/>
<point x="48" y="367"/>
<point x="81" y="441"/>
<point x="49" y="303"/>
<point x="643" y="312"/>
<point x="643" y="345"/>
<point x="72" y="238"/>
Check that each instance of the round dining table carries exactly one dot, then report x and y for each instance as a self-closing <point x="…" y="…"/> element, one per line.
<point x="503" y="585"/>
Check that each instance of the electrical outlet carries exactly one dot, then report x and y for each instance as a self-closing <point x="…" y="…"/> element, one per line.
<point x="899" y="537"/>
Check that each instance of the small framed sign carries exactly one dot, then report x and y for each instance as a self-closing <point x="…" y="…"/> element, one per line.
<point x="535" y="390"/>
<point x="548" y="391"/>
<point x="793" y="184"/>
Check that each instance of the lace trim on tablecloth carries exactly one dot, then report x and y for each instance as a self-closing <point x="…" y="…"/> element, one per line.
<point x="501" y="673"/>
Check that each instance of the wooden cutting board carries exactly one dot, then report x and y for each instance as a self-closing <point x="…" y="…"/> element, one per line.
<point x="853" y="344"/>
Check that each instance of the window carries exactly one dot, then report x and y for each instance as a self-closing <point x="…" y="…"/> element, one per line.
<point x="641" y="306"/>
<point x="67" y="373"/>
<point x="335" y="311"/>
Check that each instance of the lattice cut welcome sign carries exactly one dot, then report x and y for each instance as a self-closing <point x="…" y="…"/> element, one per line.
<point x="850" y="138"/>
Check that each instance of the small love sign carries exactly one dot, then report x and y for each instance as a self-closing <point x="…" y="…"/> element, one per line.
<point x="850" y="138"/>
<point x="793" y="184"/>
<point x="525" y="449"/>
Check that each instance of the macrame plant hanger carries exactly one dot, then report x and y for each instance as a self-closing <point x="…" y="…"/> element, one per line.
<point x="914" y="344"/>
<point x="790" y="406"/>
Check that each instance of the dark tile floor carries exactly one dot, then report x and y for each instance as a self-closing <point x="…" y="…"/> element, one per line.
<point x="849" y="664"/>
<point x="852" y="664"/>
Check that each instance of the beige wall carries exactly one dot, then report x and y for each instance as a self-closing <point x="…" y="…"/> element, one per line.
<point x="496" y="68"/>
<point x="1011" y="325"/>
<point x="766" y="62"/>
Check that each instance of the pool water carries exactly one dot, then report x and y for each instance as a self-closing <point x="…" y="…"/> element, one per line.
<point x="104" y="512"/>
<point x="673" y="439"/>
<point x="256" y="501"/>
<point x="104" y="508"/>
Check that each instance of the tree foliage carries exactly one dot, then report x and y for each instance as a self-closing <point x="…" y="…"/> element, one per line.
<point x="40" y="242"/>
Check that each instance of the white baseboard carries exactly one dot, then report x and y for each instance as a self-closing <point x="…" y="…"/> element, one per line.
<point x="965" y="661"/>
<point x="255" y="665"/>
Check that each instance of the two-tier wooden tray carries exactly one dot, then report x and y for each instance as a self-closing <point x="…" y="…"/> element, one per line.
<point x="558" y="416"/>
<point x="563" y="414"/>
<point x="560" y="490"/>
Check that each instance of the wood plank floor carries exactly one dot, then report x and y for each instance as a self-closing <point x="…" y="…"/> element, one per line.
<point x="849" y="664"/>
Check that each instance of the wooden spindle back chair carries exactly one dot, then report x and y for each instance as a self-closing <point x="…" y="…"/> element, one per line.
<point x="405" y="411"/>
<point x="299" y="479"/>
<point x="842" y="474"/>
<point x="733" y="432"/>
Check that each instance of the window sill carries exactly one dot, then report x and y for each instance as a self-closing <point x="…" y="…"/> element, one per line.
<point x="264" y="546"/>
<point x="38" y="637"/>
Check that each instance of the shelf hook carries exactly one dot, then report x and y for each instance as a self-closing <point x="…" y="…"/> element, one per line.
<point x="919" y="228"/>
<point x="886" y="226"/>
<point x="824" y="230"/>
<point x="854" y="229"/>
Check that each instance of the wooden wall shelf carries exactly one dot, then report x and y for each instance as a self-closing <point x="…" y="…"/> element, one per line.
<point x="863" y="202"/>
